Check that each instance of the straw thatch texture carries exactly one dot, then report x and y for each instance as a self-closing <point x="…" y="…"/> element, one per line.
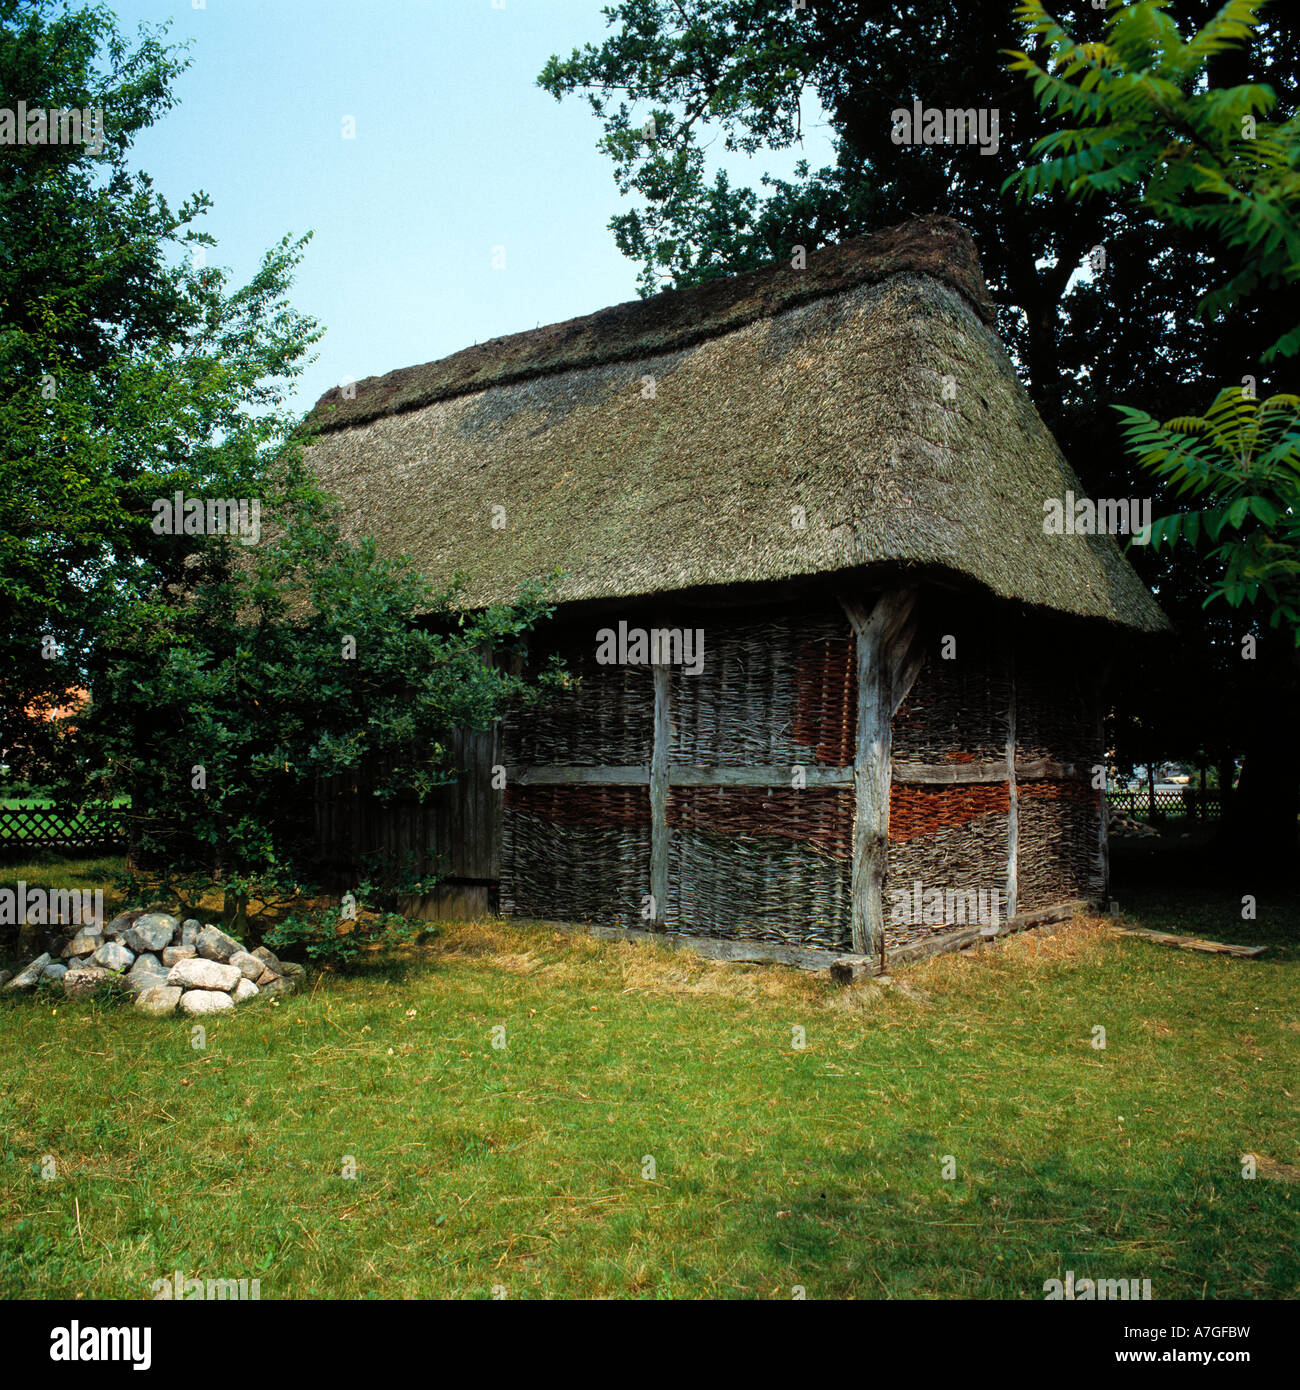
<point x="756" y="429"/>
<point x="640" y="328"/>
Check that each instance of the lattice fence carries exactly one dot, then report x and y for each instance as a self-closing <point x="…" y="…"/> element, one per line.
<point x="1187" y="801"/>
<point x="27" y="828"/>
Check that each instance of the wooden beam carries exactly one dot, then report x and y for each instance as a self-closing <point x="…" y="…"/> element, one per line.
<point x="1026" y="770"/>
<point x="659" y="832"/>
<point x="948" y="774"/>
<point x="547" y="775"/>
<point x="908" y="670"/>
<point x="780" y="777"/>
<point x="540" y="775"/>
<point x="1192" y="943"/>
<point x="879" y="660"/>
<point x="845" y="970"/>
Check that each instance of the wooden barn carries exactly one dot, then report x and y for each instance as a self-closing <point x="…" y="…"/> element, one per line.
<point x="840" y="690"/>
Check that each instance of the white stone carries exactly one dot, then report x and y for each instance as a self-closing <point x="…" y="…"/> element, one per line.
<point x="137" y="981"/>
<point x="248" y="965"/>
<point x="26" y="979"/>
<point x="205" y="1001"/>
<point x="245" y="989"/>
<point x="197" y="973"/>
<point x="160" y="999"/>
<point x="214" y="944"/>
<point x="112" y="955"/>
<point x="173" y="955"/>
<point x="151" y="932"/>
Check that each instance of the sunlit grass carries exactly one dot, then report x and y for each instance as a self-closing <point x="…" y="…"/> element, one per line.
<point x="527" y="1166"/>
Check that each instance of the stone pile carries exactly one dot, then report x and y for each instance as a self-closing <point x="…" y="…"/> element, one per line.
<point x="165" y="963"/>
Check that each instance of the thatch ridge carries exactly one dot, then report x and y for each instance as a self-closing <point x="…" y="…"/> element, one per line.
<point x="936" y="246"/>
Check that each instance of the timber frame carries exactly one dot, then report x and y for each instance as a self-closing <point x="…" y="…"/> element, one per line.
<point x="889" y="648"/>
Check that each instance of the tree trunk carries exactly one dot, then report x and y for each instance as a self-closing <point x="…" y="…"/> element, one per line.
<point x="234" y="904"/>
<point x="234" y="913"/>
<point x="1227" y="775"/>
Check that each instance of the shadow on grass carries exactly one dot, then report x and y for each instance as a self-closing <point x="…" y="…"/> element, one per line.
<point x="1200" y="1230"/>
<point x="1180" y="883"/>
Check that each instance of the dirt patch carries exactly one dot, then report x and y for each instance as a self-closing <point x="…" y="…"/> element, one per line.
<point x="1270" y="1168"/>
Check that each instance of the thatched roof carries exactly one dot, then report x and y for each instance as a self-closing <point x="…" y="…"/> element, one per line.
<point x="672" y="442"/>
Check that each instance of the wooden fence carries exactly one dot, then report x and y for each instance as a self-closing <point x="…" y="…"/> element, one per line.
<point x="24" y="829"/>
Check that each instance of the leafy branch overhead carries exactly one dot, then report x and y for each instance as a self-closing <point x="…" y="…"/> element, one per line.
<point x="1241" y="460"/>
<point x="1208" y="161"/>
<point x="1150" y="125"/>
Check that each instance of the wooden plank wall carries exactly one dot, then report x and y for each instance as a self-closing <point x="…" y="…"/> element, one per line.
<point x="456" y="832"/>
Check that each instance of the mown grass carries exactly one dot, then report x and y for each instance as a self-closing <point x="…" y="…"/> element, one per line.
<point x="524" y="1167"/>
<point x="51" y="870"/>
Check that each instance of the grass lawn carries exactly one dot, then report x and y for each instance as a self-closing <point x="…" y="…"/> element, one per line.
<point x="525" y="1167"/>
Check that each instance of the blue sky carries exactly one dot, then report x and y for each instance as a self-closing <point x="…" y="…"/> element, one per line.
<point x="457" y="151"/>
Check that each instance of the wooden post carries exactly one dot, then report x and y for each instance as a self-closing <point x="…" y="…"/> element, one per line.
<point x="663" y="732"/>
<point x="1013" y="795"/>
<point x="881" y="662"/>
<point x="1103" y="830"/>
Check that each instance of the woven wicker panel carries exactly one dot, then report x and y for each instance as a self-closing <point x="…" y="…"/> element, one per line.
<point x="1059" y="857"/>
<point x="1055" y="711"/>
<point x="771" y="693"/>
<point x="576" y="853"/>
<point x="921" y="810"/>
<point x="817" y="816"/>
<point x="761" y="865"/>
<point x="958" y="709"/>
<point x="606" y="719"/>
<point x="965" y="856"/>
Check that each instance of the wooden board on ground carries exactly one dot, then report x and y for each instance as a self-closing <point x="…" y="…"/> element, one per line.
<point x="1192" y="943"/>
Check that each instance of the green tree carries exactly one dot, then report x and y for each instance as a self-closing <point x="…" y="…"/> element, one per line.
<point x="749" y="73"/>
<point x="1156" y="132"/>
<point x="220" y="700"/>
<point x="131" y="368"/>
